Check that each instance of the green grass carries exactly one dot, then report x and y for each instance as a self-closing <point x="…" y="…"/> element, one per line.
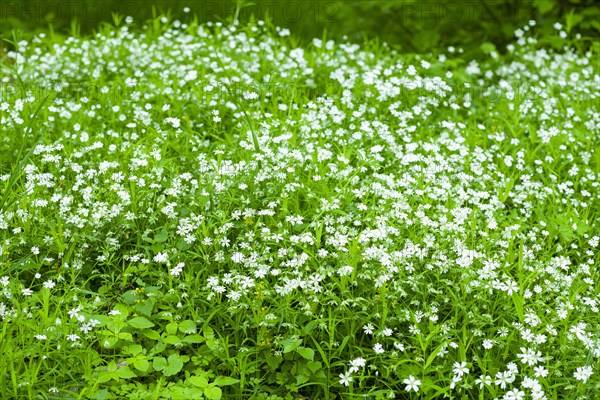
<point x="221" y="211"/>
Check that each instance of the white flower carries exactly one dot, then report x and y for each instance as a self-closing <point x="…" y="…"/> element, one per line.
<point x="512" y="368"/>
<point x="514" y="394"/>
<point x="49" y="284"/>
<point x="345" y="379"/>
<point x="177" y="269"/>
<point x="358" y="362"/>
<point x="378" y="348"/>
<point x="529" y="356"/>
<point x="540" y="371"/>
<point x="161" y="258"/>
<point x="175" y="122"/>
<point x="412" y="384"/>
<point x="504" y="378"/>
<point x="73" y="337"/>
<point x="483" y="380"/>
<point x="237" y="257"/>
<point x="345" y="270"/>
<point x="583" y="373"/>
<point x="460" y="369"/>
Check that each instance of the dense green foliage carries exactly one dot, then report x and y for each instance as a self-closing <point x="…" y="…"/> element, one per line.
<point x="211" y="211"/>
<point x="415" y="26"/>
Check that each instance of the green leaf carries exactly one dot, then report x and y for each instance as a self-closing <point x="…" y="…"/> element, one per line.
<point x="151" y="334"/>
<point x="274" y="361"/>
<point x="157" y="247"/>
<point x="130" y="297"/>
<point x="432" y="356"/>
<point x="115" y="325"/>
<point x="158" y="348"/>
<point x="126" y="373"/>
<point x="305" y="352"/>
<point x="102" y="395"/>
<point x="314" y="366"/>
<point x="187" y="326"/>
<point x="544" y="6"/>
<point x="104" y="377"/>
<point x="182" y="245"/>
<point x="300" y="379"/>
<point x="193" y="339"/>
<point x="172" y="339"/>
<point x="290" y="345"/>
<point x="140" y="323"/>
<point x="133" y="349"/>
<point x="141" y="365"/>
<point x="225" y="381"/>
<point x="175" y="365"/>
<point x="145" y="307"/>
<point x="125" y="336"/>
<point x="124" y="312"/>
<point x="208" y="332"/>
<point x="159" y="363"/>
<point x="199" y="381"/>
<point x="161" y="236"/>
<point x="213" y="393"/>
<point x="488" y="47"/>
<point x="109" y="342"/>
<point x="172" y="328"/>
<point x="112" y="366"/>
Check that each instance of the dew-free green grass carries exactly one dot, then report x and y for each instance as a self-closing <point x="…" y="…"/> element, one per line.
<point x="218" y="211"/>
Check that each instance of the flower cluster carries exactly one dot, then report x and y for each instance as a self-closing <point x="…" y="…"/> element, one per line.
<point x="446" y="207"/>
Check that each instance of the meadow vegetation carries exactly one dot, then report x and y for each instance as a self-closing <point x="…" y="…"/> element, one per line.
<point x="216" y="210"/>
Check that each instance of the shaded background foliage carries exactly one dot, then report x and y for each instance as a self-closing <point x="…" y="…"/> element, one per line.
<point x="410" y="25"/>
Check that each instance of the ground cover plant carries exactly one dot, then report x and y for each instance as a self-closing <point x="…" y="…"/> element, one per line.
<point x="414" y="26"/>
<point x="213" y="211"/>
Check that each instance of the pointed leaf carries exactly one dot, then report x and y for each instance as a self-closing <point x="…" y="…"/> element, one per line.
<point x="225" y="381"/>
<point x="172" y="339"/>
<point x="140" y="323"/>
<point x="213" y="393"/>
<point x="141" y="365"/>
<point x="133" y="349"/>
<point x="172" y="328"/>
<point x="104" y="377"/>
<point x="126" y="373"/>
<point x="145" y="307"/>
<point x="193" y="339"/>
<point x="187" y="327"/>
<point x="300" y="379"/>
<point x="274" y="361"/>
<point x="159" y="363"/>
<point x="305" y="352"/>
<point x="199" y="381"/>
<point x="290" y="345"/>
<point x="314" y="366"/>
<point x="151" y="334"/>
